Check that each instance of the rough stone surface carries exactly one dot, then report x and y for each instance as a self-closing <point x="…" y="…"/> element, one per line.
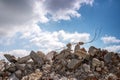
<point x="23" y="59"/>
<point x="73" y="64"/>
<point x="36" y="58"/>
<point x="10" y="58"/>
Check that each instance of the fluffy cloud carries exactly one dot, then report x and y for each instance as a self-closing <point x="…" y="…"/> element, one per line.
<point x="16" y="13"/>
<point x="22" y="16"/>
<point x="113" y="48"/>
<point x="55" y="40"/>
<point x="64" y="9"/>
<point x="16" y="53"/>
<point x="110" y="39"/>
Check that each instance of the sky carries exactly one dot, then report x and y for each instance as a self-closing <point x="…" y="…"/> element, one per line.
<point x="45" y="25"/>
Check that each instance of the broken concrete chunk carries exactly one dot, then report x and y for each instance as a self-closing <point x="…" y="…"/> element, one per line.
<point x="10" y="58"/>
<point x="36" y="58"/>
<point x="73" y="64"/>
<point x="24" y="59"/>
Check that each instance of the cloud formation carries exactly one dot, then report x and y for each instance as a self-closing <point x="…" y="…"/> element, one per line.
<point x="113" y="48"/>
<point x="55" y="40"/>
<point x="110" y="39"/>
<point x="21" y="17"/>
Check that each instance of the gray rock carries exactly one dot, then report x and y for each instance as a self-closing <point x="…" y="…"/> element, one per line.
<point x="63" y="54"/>
<point x="12" y="67"/>
<point x="10" y="58"/>
<point x="92" y="50"/>
<point x="96" y="62"/>
<point x="2" y="65"/>
<point x="73" y="64"/>
<point x="108" y="57"/>
<point x="13" y="77"/>
<point x="37" y="58"/>
<point x="24" y="59"/>
<point x="86" y="67"/>
<point x="18" y="74"/>
<point x="20" y="66"/>
<point x="41" y="54"/>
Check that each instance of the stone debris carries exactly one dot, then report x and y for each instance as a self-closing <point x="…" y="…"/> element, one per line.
<point x="94" y="64"/>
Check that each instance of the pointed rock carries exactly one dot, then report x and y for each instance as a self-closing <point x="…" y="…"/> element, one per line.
<point x="10" y="58"/>
<point x="37" y="58"/>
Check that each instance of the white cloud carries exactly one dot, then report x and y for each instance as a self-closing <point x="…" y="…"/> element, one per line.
<point x="64" y="9"/>
<point x="113" y="48"/>
<point x="110" y="39"/>
<point x="22" y="16"/>
<point x="56" y="40"/>
<point x="16" y="53"/>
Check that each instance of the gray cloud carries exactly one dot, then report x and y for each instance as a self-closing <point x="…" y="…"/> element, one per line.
<point x="13" y="14"/>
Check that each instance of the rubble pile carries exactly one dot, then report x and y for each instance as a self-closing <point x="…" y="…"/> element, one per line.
<point x="96" y="64"/>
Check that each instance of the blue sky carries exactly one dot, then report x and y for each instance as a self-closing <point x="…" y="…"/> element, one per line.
<point x="49" y="24"/>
